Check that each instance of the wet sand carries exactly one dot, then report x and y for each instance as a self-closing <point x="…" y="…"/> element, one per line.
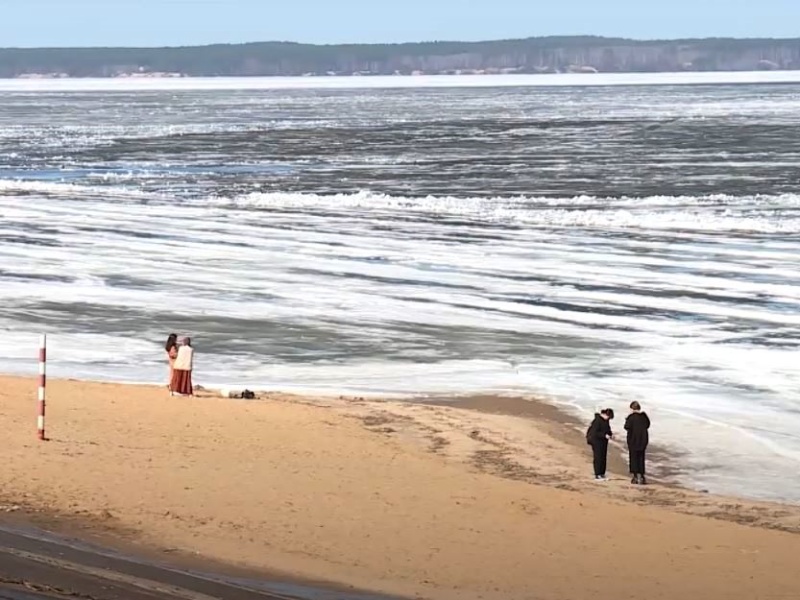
<point x="663" y="463"/>
<point x="488" y="498"/>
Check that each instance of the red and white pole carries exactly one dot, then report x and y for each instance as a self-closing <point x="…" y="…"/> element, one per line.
<point x="42" y="385"/>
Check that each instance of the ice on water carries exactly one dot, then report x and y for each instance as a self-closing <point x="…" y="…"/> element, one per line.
<point x="306" y="244"/>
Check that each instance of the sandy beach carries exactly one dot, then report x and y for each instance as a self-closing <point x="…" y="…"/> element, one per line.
<point x="474" y="498"/>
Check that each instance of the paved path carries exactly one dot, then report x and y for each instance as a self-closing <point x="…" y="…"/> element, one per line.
<point x="39" y="566"/>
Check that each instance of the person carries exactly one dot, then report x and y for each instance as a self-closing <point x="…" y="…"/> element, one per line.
<point x="172" y="353"/>
<point x="181" y="383"/>
<point x="597" y="436"/>
<point x="637" y="424"/>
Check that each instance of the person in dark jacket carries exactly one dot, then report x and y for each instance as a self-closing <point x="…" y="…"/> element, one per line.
<point x="637" y="424"/>
<point x="597" y="436"/>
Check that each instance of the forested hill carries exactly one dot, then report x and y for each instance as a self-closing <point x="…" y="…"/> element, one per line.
<point x="533" y="55"/>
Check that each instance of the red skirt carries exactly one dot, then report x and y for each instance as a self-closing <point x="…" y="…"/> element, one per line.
<point x="181" y="383"/>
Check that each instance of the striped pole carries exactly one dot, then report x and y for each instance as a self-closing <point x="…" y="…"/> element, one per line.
<point x="42" y="385"/>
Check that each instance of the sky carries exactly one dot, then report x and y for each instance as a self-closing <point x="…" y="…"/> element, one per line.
<point x="61" y="23"/>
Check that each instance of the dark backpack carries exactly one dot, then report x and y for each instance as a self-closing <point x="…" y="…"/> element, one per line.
<point x="590" y="434"/>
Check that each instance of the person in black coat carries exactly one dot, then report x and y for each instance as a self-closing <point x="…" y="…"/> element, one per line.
<point x="637" y="424"/>
<point x="597" y="436"/>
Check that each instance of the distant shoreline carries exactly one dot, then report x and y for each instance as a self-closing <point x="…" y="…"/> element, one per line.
<point x="168" y="76"/>
<point x="396" y="82"/>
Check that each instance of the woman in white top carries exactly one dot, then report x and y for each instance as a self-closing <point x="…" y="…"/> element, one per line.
<point x="181" y="383"/>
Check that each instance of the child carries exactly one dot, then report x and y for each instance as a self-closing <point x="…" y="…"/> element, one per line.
<point x="637" y="425"/>
<point x="597" y="436"/>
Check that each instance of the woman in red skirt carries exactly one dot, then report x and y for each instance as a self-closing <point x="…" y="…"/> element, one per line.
<point x="181" y="383"/>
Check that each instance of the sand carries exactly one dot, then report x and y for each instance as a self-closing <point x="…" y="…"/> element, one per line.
<point x="440" y="502"/>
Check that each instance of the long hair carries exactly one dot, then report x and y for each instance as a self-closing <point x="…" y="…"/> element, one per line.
<point x="172" y="341"/>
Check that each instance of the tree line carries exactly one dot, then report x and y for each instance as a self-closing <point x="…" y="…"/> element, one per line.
<point x="532" y="55"/>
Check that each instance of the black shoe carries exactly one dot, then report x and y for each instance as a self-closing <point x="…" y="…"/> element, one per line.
<point x="635" y="480"/>
<point x="642" y="480"/>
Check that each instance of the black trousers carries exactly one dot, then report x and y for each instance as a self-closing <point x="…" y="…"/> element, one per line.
<point x="600" y="451"/>
<point x="637" y="460"/>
